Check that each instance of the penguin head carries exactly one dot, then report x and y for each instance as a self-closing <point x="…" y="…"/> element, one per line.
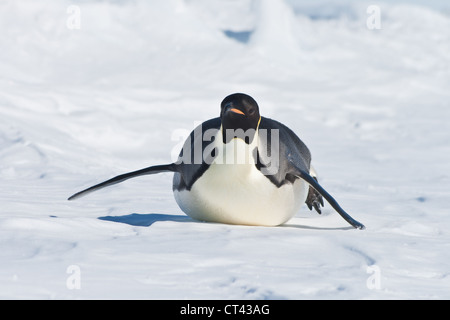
<point x="240" y="117"/>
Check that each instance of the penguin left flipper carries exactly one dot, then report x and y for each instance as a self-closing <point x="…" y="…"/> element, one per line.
<point x="319" y="189"/>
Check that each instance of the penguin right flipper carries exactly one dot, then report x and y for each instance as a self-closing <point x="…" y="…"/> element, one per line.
<point x="314" y="184"/>
<point x="118" y="179"/>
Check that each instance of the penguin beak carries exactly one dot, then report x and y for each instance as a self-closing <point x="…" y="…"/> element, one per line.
<point x="237" y="111"/>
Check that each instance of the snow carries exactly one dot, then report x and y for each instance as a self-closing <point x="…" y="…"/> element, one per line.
<point x="80" y="105"/>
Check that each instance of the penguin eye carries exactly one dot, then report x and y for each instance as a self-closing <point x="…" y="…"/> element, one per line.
<point x="251" y="112"/>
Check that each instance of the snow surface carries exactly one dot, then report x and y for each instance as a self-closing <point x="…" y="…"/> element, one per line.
<point x="78" y="106"/>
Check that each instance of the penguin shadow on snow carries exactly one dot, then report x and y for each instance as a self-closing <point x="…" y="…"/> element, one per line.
<point x="146" y="220"/>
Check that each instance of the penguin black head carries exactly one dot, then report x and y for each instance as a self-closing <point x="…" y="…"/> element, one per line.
<point x="240" y="117"/>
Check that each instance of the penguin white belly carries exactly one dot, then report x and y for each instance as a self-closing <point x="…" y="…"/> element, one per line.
<point x="241" y="194"/>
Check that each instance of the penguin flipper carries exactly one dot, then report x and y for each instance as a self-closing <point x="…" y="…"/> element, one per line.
<point x="318" y="188"/>
<point x="118" y="179"/>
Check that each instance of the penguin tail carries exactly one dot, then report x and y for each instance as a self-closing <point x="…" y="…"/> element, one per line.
<point x="314" y="184"/>
<point x="121" y="178"/>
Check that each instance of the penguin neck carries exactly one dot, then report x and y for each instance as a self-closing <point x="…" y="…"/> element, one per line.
<point x="236" y="151"/>
<point x="243" y="130"/>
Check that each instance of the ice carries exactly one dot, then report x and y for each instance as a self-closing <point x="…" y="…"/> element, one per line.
<point x="81" y="104"/>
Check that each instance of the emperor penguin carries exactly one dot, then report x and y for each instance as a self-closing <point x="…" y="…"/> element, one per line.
<point x="241" y="168"/>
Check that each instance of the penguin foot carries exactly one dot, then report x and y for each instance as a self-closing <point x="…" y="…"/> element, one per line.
<point x="314" y="200"/>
